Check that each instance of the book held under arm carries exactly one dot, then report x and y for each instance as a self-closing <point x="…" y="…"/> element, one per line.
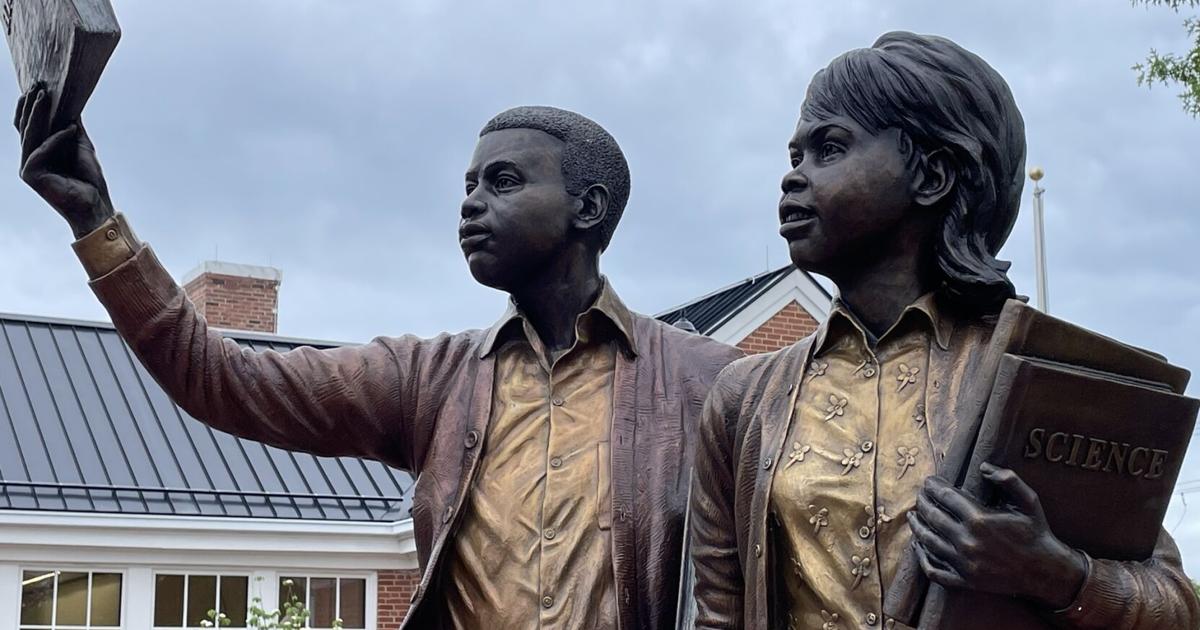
<point x="63" y="44"/>
<point x="1097" y="428"/>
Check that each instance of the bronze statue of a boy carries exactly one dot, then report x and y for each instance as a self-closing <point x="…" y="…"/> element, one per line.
<point x="551" y="450"/>
<point x="815" y="470"/>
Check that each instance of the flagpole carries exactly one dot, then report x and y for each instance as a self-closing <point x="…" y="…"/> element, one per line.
<point x="1039" y="239"/>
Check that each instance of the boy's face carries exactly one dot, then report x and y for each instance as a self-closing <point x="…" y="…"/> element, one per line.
<point x="518" y="213"/>
<point x="847" y="192"/>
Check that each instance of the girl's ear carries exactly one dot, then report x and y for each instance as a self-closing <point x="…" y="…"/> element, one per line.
<point x="591" y="207"/>
<point x="934" y="177"/>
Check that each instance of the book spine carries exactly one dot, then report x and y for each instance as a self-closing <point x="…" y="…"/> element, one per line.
<point x="941" y="610"/>
<point x="906" y="594"/>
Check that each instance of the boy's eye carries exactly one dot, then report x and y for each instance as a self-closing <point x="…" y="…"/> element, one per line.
<point x="796" y="159"/>
<point x="505" y="182"/>
<point x="830" y="150"/>
<point x="471" y="186"/>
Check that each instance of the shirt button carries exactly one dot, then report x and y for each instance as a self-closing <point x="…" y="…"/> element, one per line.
<point x="872" y="619"/>
<point x="556" y="462"/>
<point x="111" y="235"/>
<point x="867" y="446"/>
<point x="558" y="401"/>
<point x="757" y="551"/>
<point x="547" y="601"/>
<point x="549" y="533"/>
<point x="767" y="463"/>
<point x="471" y="440"/>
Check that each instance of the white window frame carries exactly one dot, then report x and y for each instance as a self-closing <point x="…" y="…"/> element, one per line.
<point x="188" y="573"/>
<point x="370" y="584"/>
<point x="67" y="568"/>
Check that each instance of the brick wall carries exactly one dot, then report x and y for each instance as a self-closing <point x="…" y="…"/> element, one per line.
<point x="786" y="327"/>
<point x="240" y="301"/>
<point x="395" y="590"/>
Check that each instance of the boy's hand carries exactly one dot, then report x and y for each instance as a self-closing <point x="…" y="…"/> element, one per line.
<point x="62" y="167"/>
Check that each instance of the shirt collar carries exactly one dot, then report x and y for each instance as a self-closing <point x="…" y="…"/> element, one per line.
<point x="842" y="320"/>
<point x="607" y="305"/>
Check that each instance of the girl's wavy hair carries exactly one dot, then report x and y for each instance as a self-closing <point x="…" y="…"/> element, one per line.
<point x="942" y="96"/>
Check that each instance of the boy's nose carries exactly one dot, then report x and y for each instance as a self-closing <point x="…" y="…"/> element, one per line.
<point x="472" y="207"/>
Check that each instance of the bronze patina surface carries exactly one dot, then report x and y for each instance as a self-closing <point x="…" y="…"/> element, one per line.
<point x="614" y="396"/>
<point x="905" y="180"/>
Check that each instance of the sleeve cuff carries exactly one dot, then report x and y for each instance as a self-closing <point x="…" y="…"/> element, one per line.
<point x="107" y="247"/>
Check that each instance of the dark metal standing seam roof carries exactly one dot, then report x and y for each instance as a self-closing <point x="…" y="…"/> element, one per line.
<point x="711" y="311"/>
<point x="83" y="427"/>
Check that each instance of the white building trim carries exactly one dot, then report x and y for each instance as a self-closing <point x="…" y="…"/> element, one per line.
<point x="796" y="286"/>
<point x="184" y="541"/>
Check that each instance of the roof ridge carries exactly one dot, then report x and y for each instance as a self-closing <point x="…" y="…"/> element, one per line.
<point x="723" y="289"/>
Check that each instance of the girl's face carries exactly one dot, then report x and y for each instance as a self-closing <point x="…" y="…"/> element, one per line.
<point x="847" y="193"/>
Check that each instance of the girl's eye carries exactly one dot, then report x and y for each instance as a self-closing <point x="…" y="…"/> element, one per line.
<point x="830" y="150"/>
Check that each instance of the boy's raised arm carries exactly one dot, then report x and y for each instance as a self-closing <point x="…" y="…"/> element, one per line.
<point x="360" y="400"/>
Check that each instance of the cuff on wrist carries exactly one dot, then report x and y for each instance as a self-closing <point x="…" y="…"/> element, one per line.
<point x="107" y="247"/>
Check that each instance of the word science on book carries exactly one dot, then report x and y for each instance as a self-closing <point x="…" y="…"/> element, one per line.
<point x="1091" y="453"/>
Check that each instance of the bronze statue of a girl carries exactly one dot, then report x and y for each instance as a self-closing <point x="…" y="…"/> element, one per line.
<point x="816" y="469"/>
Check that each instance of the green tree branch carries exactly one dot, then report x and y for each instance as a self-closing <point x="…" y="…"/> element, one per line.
<point x="1171" y="68"/>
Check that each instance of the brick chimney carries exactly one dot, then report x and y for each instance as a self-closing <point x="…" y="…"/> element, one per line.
<point x="238" y="297"/>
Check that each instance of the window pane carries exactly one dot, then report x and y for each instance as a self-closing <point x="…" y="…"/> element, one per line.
<point x="202" y="597"/>
<point x="233" y="599"/>
<point x="72" y="599"/>
<point x="106" y="599"/>
<point x="324" y="602"/>
<point x="290" y="587"/>
<point x="37" y="597"/>
<point x="354" y="603"/>
<point x="168" y="601"/>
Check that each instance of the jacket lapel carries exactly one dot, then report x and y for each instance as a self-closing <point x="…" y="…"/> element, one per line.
<point x="621" y="447"/>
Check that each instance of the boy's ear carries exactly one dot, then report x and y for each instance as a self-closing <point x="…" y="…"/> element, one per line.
<point x="591" y="207"/>
<point x="934" y="177"/>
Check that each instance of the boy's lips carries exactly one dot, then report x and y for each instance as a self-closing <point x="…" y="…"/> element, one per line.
<point x="472" y="235"/>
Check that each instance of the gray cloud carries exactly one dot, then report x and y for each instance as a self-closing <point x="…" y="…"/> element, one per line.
<point x="329" y="139"/>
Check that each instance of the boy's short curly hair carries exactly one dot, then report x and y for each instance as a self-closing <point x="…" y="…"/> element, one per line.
<point x="590" y="155"/>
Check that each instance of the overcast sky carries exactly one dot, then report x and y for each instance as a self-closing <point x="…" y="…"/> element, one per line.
<point x="329" y="139"/>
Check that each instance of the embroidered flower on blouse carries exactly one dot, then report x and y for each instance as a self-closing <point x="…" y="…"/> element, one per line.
<point x="862" y="565"/>
<point x="831" y="620"/>
<point x="908" y="457"/>
<point x="815" y="369"/>
<point x="907" y="376"/>
<point x="867" y="367"/>
<point x="881" y="516"/>
<point x="876" y="519"/>
<point x="836" y="408"/>
<point x="798" y="452"/>
<point x="819" y="518"/>
<point x="852" y="459"/>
